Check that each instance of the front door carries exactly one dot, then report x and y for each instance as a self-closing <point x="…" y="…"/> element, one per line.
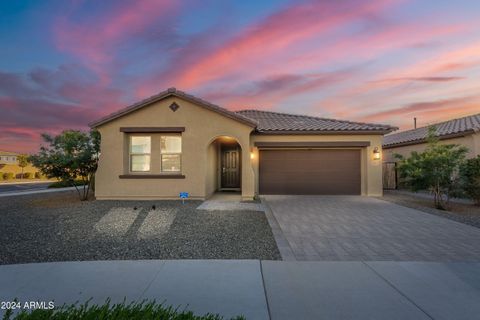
<point x="230" y="167"/>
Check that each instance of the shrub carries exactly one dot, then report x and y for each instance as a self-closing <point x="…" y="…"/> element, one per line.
<point x="470" y="179"/>
<point x="1" y="176"/>
<point x="435" y="169"/>
<point x="8" y="176"/>
<point x="134" y="310"/>
<point x="38" y="175"/>
<point x="28" y="175"/>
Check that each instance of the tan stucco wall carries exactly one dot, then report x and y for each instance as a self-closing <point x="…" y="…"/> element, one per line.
<point x="202" y="126"/>
<point x="472" y="142"/>
<point x="212" y="169"/>
<point x="371" y="170"/>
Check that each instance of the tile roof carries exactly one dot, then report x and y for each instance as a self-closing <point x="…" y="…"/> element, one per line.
<point x="276" y="122"/>
<point x="451" y="128"/>
<point x="176" y="93"/>
<point x="262" y="121"/>
<point x="8" y="153"/>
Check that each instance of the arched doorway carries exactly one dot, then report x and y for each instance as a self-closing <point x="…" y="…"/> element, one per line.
<point x="224" y="165"/>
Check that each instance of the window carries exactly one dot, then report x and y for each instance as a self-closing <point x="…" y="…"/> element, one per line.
<point x="171" y="153"/>
<point x="140" y="148"/>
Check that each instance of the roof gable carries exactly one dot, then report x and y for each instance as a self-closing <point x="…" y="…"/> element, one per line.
<point x="172" y="92"/>
<point x="446" y="129"/>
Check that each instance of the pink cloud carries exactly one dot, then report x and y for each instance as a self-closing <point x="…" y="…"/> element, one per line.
<point x="427" y="112"/>
<point x="276" y="33"/>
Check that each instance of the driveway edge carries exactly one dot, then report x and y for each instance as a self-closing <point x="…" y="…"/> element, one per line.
<point x="283" y="245"/>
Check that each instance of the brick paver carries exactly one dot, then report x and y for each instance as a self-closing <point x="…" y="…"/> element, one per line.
<point x="363" y="228"/>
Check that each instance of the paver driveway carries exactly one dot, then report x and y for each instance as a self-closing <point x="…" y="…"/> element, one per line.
<point x="363" y="228"/>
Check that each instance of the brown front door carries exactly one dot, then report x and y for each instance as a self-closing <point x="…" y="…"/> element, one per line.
<point x="322" y="171"/>
<point x="230" y="167"/>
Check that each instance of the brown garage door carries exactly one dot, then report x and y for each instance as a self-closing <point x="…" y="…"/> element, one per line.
<point x="321" y="171"/>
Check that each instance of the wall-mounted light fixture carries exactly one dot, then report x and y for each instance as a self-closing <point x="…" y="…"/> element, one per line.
<point x="252" y="155"/>
<point x="376" y="153"/>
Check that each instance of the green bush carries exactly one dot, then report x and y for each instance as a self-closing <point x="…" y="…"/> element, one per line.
<point x="38" y="175"/>
<point x="8" y="176"/>
<point x="470" y="179"/>
<point x="136" y="310"/>
<point x="65" y="184"/>
<point x="1" y="176"/>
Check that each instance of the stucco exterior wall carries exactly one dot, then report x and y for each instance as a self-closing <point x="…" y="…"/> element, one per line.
<point x="202" y="126"/>
<point x="371" y="170"/>
<point x="212" y="169"/>
<point x="472" y="142"/>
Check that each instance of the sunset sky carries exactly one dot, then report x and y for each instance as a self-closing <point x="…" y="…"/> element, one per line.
<point x="66" y="63"/>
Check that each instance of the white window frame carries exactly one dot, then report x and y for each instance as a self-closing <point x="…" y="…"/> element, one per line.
<point x="171" y="153"/>
<point x="130" y="154"/>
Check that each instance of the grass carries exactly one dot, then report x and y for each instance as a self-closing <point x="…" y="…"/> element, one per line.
<point x="65" y="184"/>
<point x="145" y="310"/>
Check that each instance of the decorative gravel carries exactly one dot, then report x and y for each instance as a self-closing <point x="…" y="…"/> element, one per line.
<point x="467" y="213"/>
<point x="59" y="227"/>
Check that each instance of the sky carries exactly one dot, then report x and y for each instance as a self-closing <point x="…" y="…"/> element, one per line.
<point x="64" y="64"/>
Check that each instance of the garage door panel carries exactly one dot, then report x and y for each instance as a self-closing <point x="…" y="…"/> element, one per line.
<point x="309" y="172"/>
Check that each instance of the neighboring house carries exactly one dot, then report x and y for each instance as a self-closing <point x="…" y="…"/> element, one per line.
<point x="463" y="131"/>
<point x="8" y="157"/>
<point x="174" y="142"/>
<point x="9" y="163"/>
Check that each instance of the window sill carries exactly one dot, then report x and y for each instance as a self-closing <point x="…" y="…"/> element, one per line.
<point x="151" y="176"/>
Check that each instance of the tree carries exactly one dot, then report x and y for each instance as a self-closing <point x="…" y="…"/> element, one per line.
<point x="470" y="179"/>
<point x="22" y="160"/>
<point x="435" y="169"/>
<point x="70" y="156"/>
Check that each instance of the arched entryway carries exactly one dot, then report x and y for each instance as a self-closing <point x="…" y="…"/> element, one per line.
<point x="224" y="165"/>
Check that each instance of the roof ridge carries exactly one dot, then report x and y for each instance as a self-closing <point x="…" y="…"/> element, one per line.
<point x="318" y="118"/>
<point x="437" y="124"/>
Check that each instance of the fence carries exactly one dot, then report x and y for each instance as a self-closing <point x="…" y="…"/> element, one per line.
<point x="389" y="175"/>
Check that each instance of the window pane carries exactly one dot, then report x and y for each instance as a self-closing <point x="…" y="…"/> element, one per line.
<point x="171" y="162"/>
<point x="140" y="163"/>
<point x="140" y="145"/>
<point x="171" y="144"/>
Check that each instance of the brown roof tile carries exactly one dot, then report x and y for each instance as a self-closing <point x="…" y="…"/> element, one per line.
<point x="276" y="122"/>
<point x="445" y="129"/>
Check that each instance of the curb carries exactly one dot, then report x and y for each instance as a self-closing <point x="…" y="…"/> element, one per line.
<point x="12" y="194"/>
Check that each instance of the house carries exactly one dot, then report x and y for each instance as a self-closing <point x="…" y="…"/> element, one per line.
<point x="8" y="157"/>
<point x="9" y="164"/>
<point x="463" y="131"/>
<point x="174" y="142"/>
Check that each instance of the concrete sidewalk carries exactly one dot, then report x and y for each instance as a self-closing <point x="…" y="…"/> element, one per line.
<point x="260" y="289"/>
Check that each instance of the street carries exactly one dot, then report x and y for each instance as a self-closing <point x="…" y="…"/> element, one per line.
<point x="20" y="187"/>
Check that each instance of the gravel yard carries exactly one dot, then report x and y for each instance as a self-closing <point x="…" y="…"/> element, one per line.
<point x="58" y="227"/>
<point x="461" y="212"/>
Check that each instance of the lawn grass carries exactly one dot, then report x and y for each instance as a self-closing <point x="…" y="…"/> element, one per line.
<point x="145" y="310"/>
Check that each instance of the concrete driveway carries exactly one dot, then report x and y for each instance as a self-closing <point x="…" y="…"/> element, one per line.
<point x="361" y="228"/>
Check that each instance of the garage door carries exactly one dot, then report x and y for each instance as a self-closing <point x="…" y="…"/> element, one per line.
<point x="320" y="171"/>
